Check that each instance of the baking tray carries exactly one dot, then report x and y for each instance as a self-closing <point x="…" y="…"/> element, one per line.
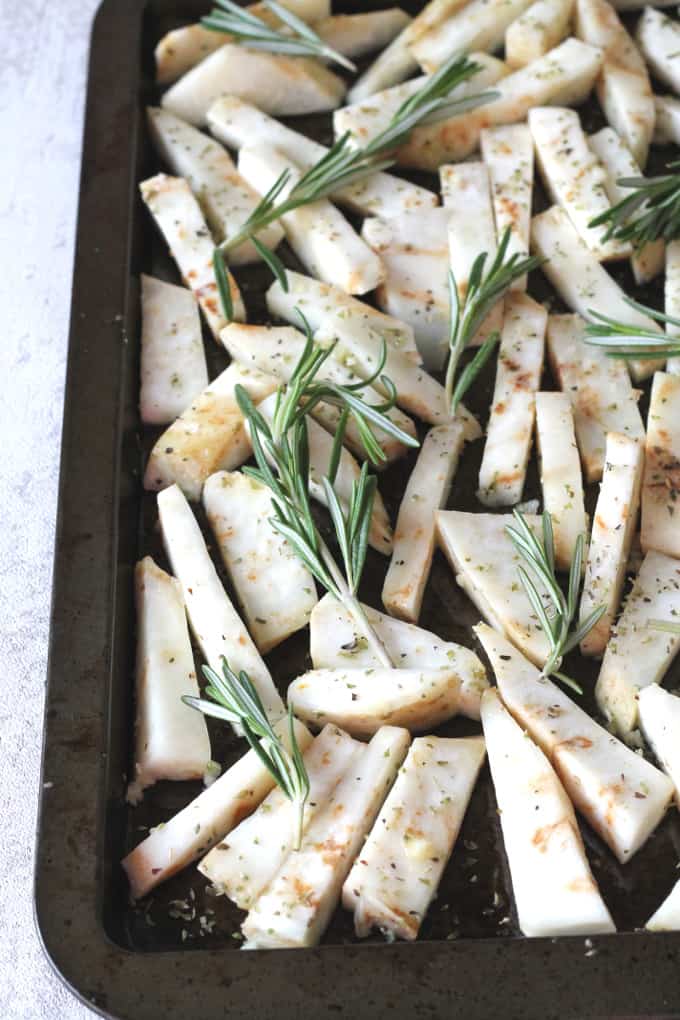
<point x="159" y="959"/>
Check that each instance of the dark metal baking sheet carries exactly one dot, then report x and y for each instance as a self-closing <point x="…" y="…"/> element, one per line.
<point x="139" y="962"/>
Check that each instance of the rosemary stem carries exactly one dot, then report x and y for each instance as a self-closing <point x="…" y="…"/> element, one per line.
<point x="451" y="369"/>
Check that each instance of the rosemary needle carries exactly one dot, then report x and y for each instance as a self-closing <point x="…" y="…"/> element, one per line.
<point x="651" y="211"/>
<point x="621" y="340"/>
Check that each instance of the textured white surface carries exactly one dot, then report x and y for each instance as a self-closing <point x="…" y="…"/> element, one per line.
<point x="42" y="78"/>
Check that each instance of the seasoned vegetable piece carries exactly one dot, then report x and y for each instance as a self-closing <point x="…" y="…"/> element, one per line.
<point x="660" y="523"/>
<point x="277" y="349"/>
<point x="334" y="644"/>
<point x="217" y="626"/>
<point x="617" y="160"/>
<point x="321" y="237"/>
<point x="580" y="280"/>
<point x="274" y="589"/>
<point x="623" y="87"/>
<point x="479" y="25"/>
<point x="614" y="523"/>
<point x="598" y="387"/>
<point x="639" y="654"/>
<point x="414" y="538"/>
<point x="561" y="482"/>
<point x="179" y="217"/>
<point x="243" y="865"/>
<point x="565" y="75"/>
<point x="667" y="916"/>
<point x="511" y="422"/>
<point x="225" y="197"/>
<point x="622" y="796"/>
<point x="672" y="298"/>
<point x="554" y="889"/>
<point x="297" y="905"/>
<point x="173" y="370"/>
<point x="485" y="563"/>
<point x="541" y="27"/>
<point x="660" y="722"/>
<point x="360" y="701"/>
<point x="466" y="195"/>
<point x="508" y="152"/>
<point x="175" y="844"/>
<point x="395" y="876"/>
<point x="667" y="126"/>
<point x="573" y="176"/>
<point x="171" y="740"/>
<point x="238" y="124"/>
<point x="659" y="39"/>
<point x="281" y="85"/>
<point x="354" y="35"/>
<point x="209" y="435"/>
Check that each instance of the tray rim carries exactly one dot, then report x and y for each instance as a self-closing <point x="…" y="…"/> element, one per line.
<point x="536" y="976"/>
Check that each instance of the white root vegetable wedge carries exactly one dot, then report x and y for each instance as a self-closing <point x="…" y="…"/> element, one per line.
<point x="215" y="623"/>
<point x="580" y="280"/>
<point x="598" y="387"/>
<point x="367" y="119"/>
<point x="617" y="161"/>
<point x="655" y="596"/>
<point x="180" y="220"/>
<point x="321" y="237"/>
<point x="173" y="369"/>
<point x="275" y="591"/>
<point x="414" y="537"/>
<point x="672" y="298"/>
<point x="243" y="865"/>
<point x="322" y="303"/>
<point x="667" y="916"/>
<point x="182" y="48"/>
<point x="554" y="889"/>
<point x="360" y="701"/>
<point x="238" y="124"/>
<point x="466" y="195"/>
<point x="479" y="25"/>
<point x="175" y="844"/>
<point x="396" y="875"/>
<point x="667" y="126"/>
<point x="354" y="35"/>
<point x="621" y="795"/>
<point x="277" y="349"/>
<point x="660" y="519"/>
<point x="660" y="723"/>
<point x="414" y="250"/>
<point x="614" y="523"/>
<point x="485" y="564"/>
<point x="171" y="739"/>
<point x="623" y="87"/>
<point x="508" y="152"/>
<point x="518" y="376"/>
<point x="335" y="644"/>
<point x="209" y="435"/>
<point x="573" y="176"/>
<point x="565" y="76"/>
<point x="361" y="350"/>
<point x="397" y="63"/>
<point x="659" y="39"/>
<point x="281" y="85"/>
<point x="320" y="449"/>
<point x="561" y="482"/>
<point x="540" y="28"/>
<point x="296" y="907"/>
<point x="225" y="197"/>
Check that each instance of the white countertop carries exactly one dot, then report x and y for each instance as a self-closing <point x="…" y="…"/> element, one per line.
<point x="42" y="80"/>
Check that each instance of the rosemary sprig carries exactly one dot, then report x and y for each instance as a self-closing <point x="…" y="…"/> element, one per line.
<point x="299" y="41"/>
<point x="484" y="289"/>
<point x="651" y="210"/>
<point x="344" y="164"/>
<point x="282" y="459"/>
<point x="621" y="340"/>
<point x="235" y="699"/>
<point x="556" y="619"/>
